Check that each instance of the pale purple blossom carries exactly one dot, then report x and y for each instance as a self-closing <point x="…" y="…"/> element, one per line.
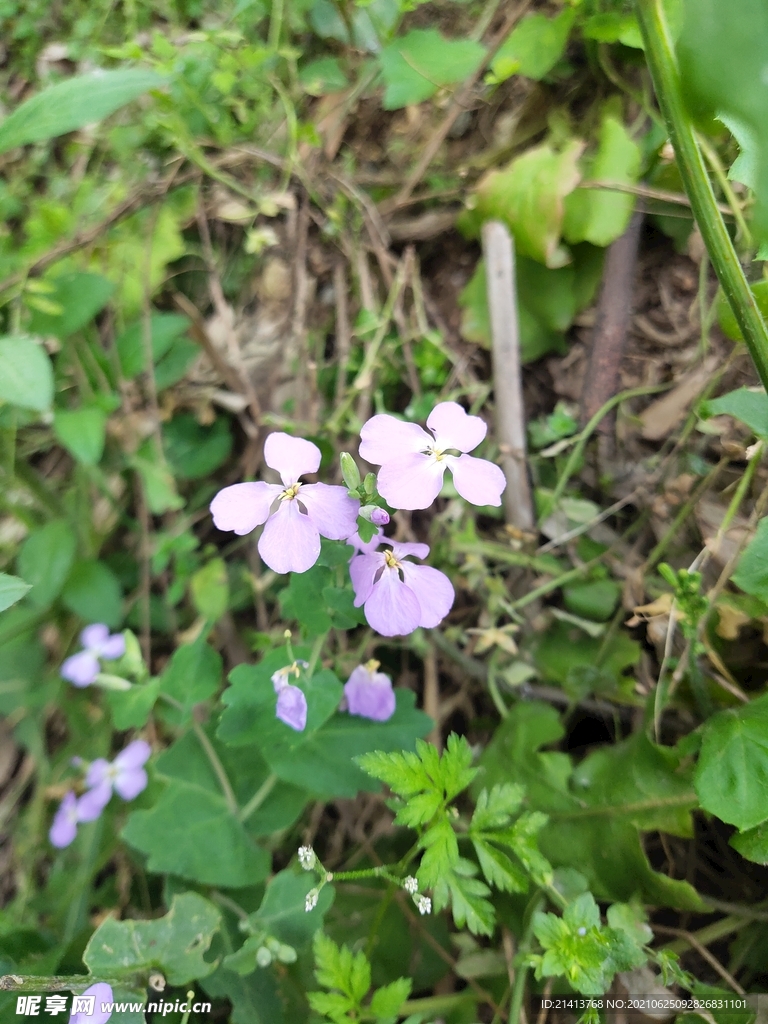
<point x="379" y="516"/>
<point x="101" y="994"/>
<point x="295" y="514"/>
<point x="291" y="702"/>
<point x="369" y="693"/>
<point x="397" y="595"/>
<point x="82" y="668"/>
<point x="413" y="462"/>
<point x="125" y="775"/>
<point x="65" y="821"/>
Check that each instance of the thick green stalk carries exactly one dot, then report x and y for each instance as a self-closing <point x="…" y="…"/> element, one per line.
<point x="660" y="54"/>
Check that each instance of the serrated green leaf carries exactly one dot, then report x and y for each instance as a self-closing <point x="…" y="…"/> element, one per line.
<point x="441" y="852"/>
<point x="386" y="1001"/>
<point x="173" y="944"/>
<point x="468" y="906"/>
<point x="69" y="105"/>
<point x="499" y="869"/>
<point x="456" y="771"/>
<point x="495" y="808"/>
<point x="731" y="776"/>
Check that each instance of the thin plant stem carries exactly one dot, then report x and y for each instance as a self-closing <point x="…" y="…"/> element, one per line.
<point x="662" y="63"/>
<point x="317" y="650"/>
<point x="578" y="449"/>
<point x="218" y="767"/>
<point x="521" y="973"/>
<point x="714" y="161"/>
<point x="259" y="797"/>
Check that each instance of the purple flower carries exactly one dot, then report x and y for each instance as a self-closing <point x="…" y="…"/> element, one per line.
<point x="291" y="702"/>
<point x="101" y="995"/>
<point x="82" y="669"/>
<point x="125" y="775"/>
<point x="369" y="693"/>
<point x="379" y="517"/>
<point x="290" y="541"/>
<point x="413" y="462"/>
<point x="399" y="596"/>
<point x="65" y="821"/>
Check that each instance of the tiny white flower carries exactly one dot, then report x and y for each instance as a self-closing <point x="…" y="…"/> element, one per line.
<point x="410" y="884"/>
<point x="307" y="857"/>
<point x="263" y="956"/>
<point x="424" y="904"/>
<point x="311" y="901"/>
<point x="581" y="931"/>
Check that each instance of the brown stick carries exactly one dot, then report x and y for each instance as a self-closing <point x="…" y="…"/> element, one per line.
<point x="610" y="334"/>
<point x="508" y="391"/>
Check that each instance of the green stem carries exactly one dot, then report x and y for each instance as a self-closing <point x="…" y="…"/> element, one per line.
<point x="77" y="914"/>
<point x="218" y="767"/>
<point x="317" y="650"/>
<point x="259" y="797"/>
<point x="434" y="1004"/>
<point x="578" y="449"/>
<point x="662" y="64"/>
<point x="521" y="972"/>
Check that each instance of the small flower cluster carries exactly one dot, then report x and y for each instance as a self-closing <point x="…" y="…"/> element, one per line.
<point x="125" y="776"/>
<point x="397" y="595"/>
<point x="98" y="645"/>
<point x="423" y="903"/>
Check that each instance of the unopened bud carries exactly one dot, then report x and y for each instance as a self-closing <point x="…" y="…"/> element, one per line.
<point x="311" y="901"/>
<point x="287" y="954"/>
<point x="263" y="956"/>
<point x="374" y="514"/>
<point x="349" y="471"/>
<point x="370" y="483"/>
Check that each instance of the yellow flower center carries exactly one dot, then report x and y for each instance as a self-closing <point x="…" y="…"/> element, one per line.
<point x="290" y="492"/>
<point x="392" y="562"/>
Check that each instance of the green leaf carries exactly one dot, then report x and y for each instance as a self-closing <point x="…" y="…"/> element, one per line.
<point x="727" y="320"/>
<point x="732" y="772"/>
<point x="320" y="758"/>
<point x="567" y="655"/>
<point x="92" y="591"/>
<point x="415" y="65"/>
<point x="533" y="47"/>
<point x="441" y="853"/>
<point x="495" y="808"/>
<point x="338" y="968"/>
<point x="209" y="587"/>
<point x="386" y="1001"/>
<point x="80" y="297"/>
<point x="158" y="482"/>
<point x="282" y="912"/>
<point x="74" y="103"/>
<point x="255" y="999"/>
<point x="614" y="27"/>
<point x="191" y="832"/>
<point x="750" y="405"/>
<point x="722" y="59"/>
<point x="322" y="76"/>
<point x="192" y="675"/>
<point x="302" y="599"/>
<point x="752" y="844"/>
<point x="194" y="451"/>
<point x="26" y="375"/>
<point x="499" y="869"/>
<point x="752" y="571"/>
<point x="529" y="197"/>
<point x="173" y="944"/>
<point x="12" y="589"/>
<point x="82" y="432"/>
<point x="600" y="217"/>
<point x="469" y="907"/>
<point x="164" y="329"/>
<point x="595" y="599"/>
<point x="131" y="708"/>
<point x="45" y="560"/>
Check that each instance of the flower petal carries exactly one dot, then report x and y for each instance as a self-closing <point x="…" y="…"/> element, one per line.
<point x="292" y="707"/>
<point x="383" y="436"/>
<point x="102" y="994"/>
<point x="392" y="609"/>
<point x="134" y="755"/>
<point x="362" y="572"/>
<point x="92" y="803"/>
<point x="477" y="480"/>
<point x="290" y="541"/>
<point x="292" y="457"/>
<point x="455" y="428"/>
<point x="98" y="771"/>
<point x="64" y="825"/>
<point x="113" y="647"/>
<point x="81" y="669"/>
<point x="130" y="782"/>
<point x="92" y="637"/>
<point x="434" y="592"/>
<point x="331" y="509"/>
<point x="243" y="507"/>
<point x="401" y="551"/>
<point x="370" y="694"/>
<point x="411" y="481"/>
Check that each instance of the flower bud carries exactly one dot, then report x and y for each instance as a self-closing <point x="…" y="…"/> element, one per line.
<point x="132" y="661"/>
<point x="311" y="901"/>
<point x="410" y="885"/>
<point x="374" y="514"/>
<point x="287" y="954"/>
<point x="110" y="682"/>
<point x="370" y="483"/>
<point x="349" y="471"/>
<point x="263" y="956"/>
